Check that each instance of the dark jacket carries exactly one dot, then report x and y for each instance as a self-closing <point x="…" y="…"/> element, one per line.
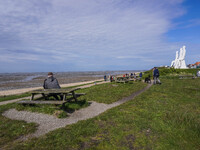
<point x="156" y="73"/>
<point x="51" y="83"/>
<point x="140" y="75"/>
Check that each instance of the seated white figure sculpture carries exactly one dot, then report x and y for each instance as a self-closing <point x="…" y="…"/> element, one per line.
<point x="179" y="62"/>
<point x="182" y="59"/>
<point x="174" y="62"/>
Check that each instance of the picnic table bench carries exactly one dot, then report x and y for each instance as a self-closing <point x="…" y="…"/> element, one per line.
<point x="127" y="79"/>
<point x="46" y="92"/>
<point x="186" y="77"/>
<point x="122" y="79"/>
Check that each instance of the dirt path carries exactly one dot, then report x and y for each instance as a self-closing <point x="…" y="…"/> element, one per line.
<point x="49" y="123"/>
<point x="16" y="100"/>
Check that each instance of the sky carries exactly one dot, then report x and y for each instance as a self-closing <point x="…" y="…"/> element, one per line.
<point x="96" y="35"/>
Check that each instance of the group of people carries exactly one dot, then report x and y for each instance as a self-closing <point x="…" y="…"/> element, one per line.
<point x="110" y="77"/>
<point x="52" y="83"/>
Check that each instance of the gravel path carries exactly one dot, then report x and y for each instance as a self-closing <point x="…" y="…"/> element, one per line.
<point x="49" y="123"/>
<point x="16" y="100"/>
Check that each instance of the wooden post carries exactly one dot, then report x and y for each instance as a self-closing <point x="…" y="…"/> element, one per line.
<point x="32" y="96"/>
<point x="45" y="98"/>
<point x="64" y="96"/>
<point x="74" y="95"/>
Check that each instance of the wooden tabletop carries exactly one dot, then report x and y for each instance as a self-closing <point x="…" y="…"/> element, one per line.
<point x="47" y="91"/>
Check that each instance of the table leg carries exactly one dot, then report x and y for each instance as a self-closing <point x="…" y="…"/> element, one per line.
<point x="45" y="98"/>
<point x="32" y="96"/>
<point x="64" y="97"/>
<point x="74" y="95"/>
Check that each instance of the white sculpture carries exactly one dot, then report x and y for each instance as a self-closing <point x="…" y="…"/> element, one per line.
<point x="179" y="62"/>
<point x="174" y="62"/>
<point x="182" y="59"/>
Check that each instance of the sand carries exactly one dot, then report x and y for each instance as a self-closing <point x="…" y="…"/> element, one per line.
<point x="24" y="90"/>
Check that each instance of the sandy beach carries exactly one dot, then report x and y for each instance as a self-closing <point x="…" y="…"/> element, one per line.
<point x="23" y="90"/>
<point x="17" y="83"/>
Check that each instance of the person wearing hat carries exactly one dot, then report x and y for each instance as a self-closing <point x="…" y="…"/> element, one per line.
<point x="52" y="83"/>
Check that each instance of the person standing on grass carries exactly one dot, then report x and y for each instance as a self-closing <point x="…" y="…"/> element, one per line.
<point x="140" y="75"/>
<point x="111" y="78"/>
<point x="134" y="75"/>
<point x="156" y="75"/>
<point x="52" y="83"/>
<point x="105" y="78"/>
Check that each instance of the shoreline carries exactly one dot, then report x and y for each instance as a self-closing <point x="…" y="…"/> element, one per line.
<point x="24" y="90"/>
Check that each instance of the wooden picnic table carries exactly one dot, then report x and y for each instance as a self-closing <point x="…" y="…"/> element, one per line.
<point x="64" y="92"/>
<point x="46" y="92"/>
<point x="126" y="79"/>
<point x="122" y="78"/>
<point x="186" y="77"/>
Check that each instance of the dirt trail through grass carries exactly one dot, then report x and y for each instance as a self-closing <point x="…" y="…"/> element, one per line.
<point x="48" y="123"/>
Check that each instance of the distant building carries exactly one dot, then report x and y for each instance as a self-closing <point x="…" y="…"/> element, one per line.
<point x="190" y="66"/>
<point x="195" y="65"/>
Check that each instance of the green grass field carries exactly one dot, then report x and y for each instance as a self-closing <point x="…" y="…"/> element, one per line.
<point x="11" y="97"/>
<point x="165" y="117"/>
<point x="111" y="92"/>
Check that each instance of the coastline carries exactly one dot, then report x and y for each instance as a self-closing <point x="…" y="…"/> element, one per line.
<point x="24" y="90"/>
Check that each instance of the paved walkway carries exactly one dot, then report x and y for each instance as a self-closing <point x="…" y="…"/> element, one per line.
<point x="49" y="123"/>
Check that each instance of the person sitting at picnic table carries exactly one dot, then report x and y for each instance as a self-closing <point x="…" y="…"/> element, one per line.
<point x="134" y="75"/>
<point x="52" y="83"/>
<point x="156" y="75"/>
<point x="131" y="74"/>
<point x="111" y="78"/>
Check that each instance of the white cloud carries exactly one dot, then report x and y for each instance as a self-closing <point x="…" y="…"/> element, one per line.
<point x="77" y="30"/>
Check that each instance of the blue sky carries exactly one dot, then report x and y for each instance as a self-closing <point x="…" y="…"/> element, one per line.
<point x="91" y="35"/>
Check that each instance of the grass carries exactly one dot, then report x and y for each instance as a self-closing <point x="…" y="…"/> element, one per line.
<point x="165" y="117"/>
<point x="11" y="97"/>
<point x="10" y="130"/>
<point x="59" y="111"/>
<point x="111" y="92"/>
<point x="104" y="93"/>
<point x="81" y="85"/>
<point x="171" y="72"/>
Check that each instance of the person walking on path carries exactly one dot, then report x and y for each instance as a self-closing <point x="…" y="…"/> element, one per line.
<point x="52" y="83"/>
<point x="156" y="75"/>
